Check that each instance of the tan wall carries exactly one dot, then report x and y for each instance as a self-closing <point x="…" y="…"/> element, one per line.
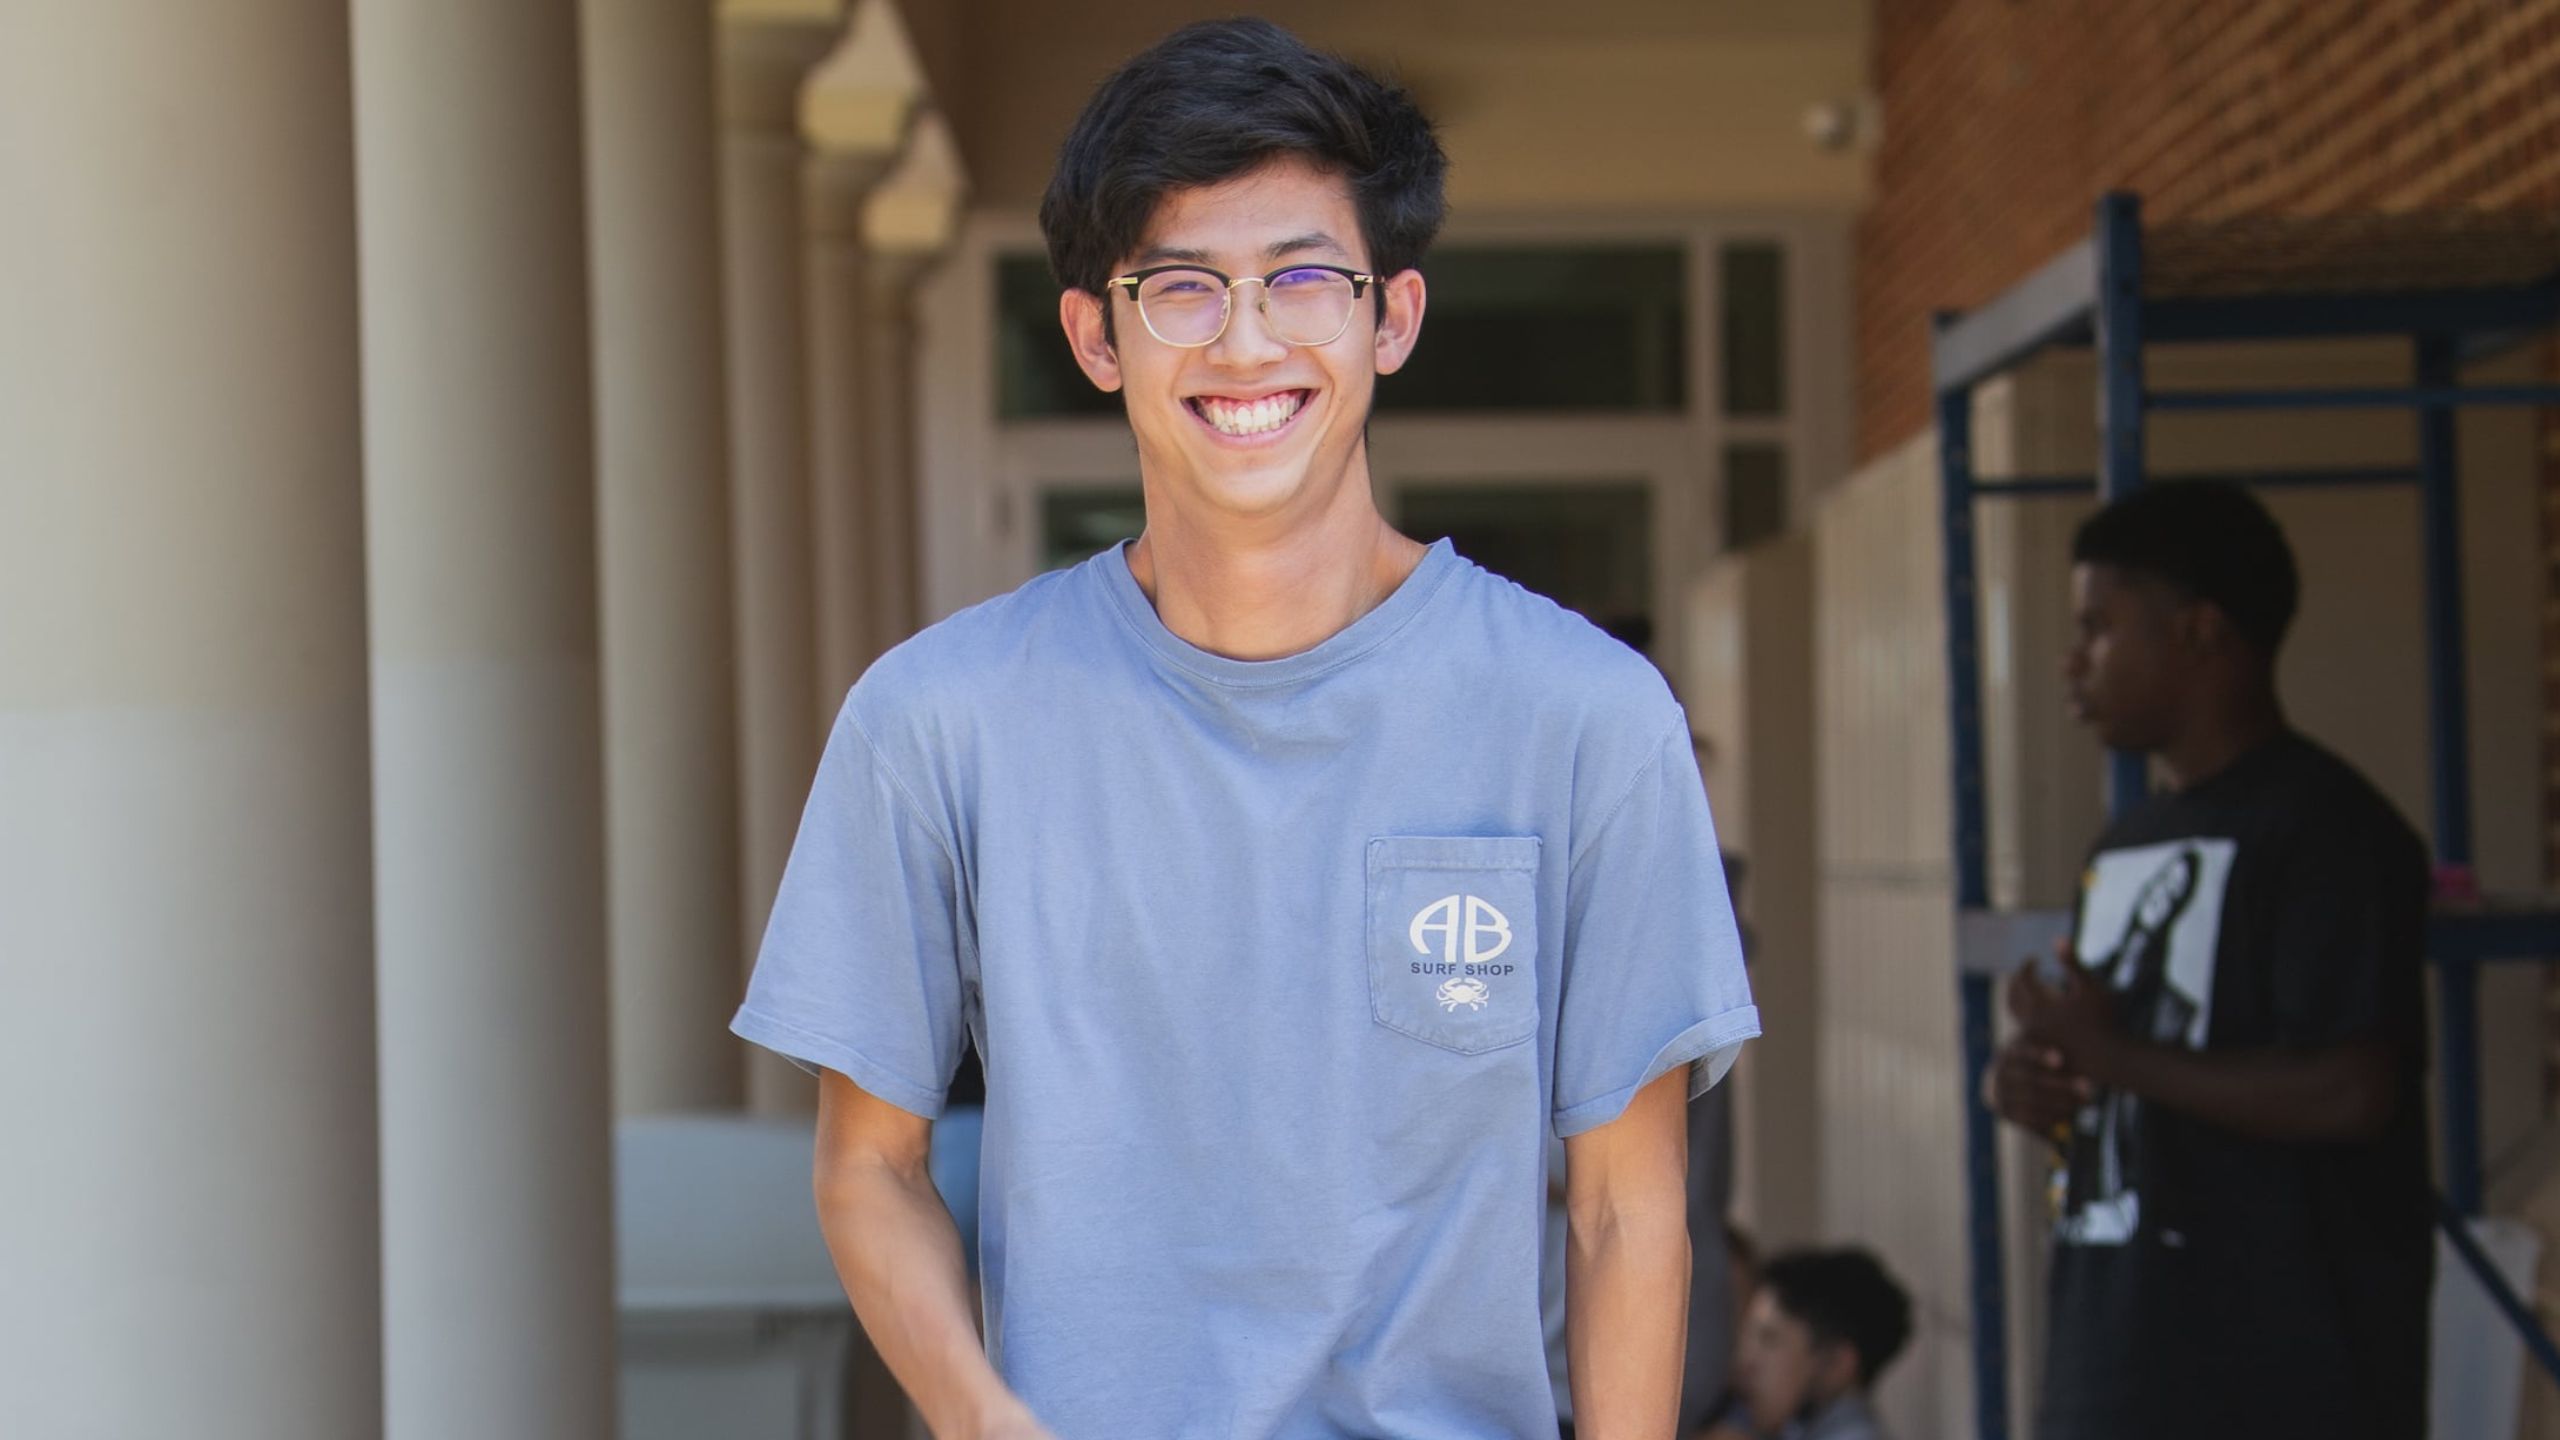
<point x="1640" y="104"/>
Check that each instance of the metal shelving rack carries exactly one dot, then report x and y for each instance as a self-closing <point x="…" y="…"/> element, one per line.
<point x="2453" y="287"/>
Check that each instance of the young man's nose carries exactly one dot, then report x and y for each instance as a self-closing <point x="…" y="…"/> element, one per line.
<point x="1248" y="339"/>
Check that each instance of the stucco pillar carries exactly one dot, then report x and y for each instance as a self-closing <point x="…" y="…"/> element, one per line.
<point x="855" y="112"/>
<point x="762" y="64"/>
<point x="662" y="517"/>
<point x="479" y="500"/>
<point x="188" y="1227"/>
<point x="889" y="406"/>
<point x="909" y="224"/>
<point x="842" y="517"/>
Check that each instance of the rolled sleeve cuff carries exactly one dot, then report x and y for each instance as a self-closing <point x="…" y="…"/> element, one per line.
<point x="816" y="1052"/>
<point x="1707" y="1048"/>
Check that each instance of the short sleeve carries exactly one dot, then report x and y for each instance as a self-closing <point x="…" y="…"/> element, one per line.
<point x="860" y="971"/>
<point x="2349" y="916"/>
<point x="1653" y="972"/>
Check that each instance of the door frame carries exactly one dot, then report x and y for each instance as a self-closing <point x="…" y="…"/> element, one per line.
<point x="982" y="478"/>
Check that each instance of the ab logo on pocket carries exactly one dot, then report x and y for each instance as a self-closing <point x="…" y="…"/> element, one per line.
<point x="1470" y="930"/>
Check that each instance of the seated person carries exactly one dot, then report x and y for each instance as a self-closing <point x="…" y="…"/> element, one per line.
<point x="1820" y="1328"/>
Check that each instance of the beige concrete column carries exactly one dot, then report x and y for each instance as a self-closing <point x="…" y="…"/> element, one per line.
<point x="662" y="521"/>
<point x="889" y="410"/>
<point x="762" y="64"/>
<point x="479" y="501"/>
<point x="842" y="519"/>
<point x="188" y="1227"/>
<point x="855" y="113"/>
<point x="909" y="224"/>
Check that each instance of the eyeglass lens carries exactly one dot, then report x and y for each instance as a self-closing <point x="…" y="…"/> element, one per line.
<point x="1189" y="307"/>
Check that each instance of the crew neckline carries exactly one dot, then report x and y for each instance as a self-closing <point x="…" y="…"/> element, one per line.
<point x="2248" y="762"/>
<point x="1439" y="561"/>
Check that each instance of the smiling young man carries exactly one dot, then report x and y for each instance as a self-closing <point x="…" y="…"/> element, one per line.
<point x="1295" y="880"/>
<point x="2231" y="1053"/>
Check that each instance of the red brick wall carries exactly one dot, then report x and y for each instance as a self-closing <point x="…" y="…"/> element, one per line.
<point x="2005" y="119"/>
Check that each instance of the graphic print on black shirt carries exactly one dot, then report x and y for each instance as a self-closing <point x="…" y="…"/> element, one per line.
<point x="2150" y="923"/>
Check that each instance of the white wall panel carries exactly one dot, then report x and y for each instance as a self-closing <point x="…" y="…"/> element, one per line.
<point x="1747" y="678"/>
<point x="1892" y="1160"/>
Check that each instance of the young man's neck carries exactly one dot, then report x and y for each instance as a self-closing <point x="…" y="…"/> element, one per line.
<point x="2221" y="731"/>
<point x="1261" y="589"/>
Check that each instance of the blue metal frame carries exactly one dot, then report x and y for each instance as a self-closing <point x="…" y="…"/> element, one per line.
<point x="2457" y="1229"/>
<point x="2092" y="293"/>
<point x="2439" y="506"/>
<point x="2049" y="307"/>
<point x="2031" y="485"/>
<point x="2495" y="314"/>
<point x="2436" y="398"/>
<point x="2120" y="401"/>
<point x="1973" y="892"/>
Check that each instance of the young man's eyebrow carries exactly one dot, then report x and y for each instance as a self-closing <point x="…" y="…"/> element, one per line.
<point x="1182" y="255"/>
<point x="1312" y="240"/>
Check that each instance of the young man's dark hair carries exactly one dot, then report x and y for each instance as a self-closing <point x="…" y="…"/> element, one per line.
<point x="2210" y="541"/>
<point x="1214" y="100"/>
<point x="1844" y="1297"/>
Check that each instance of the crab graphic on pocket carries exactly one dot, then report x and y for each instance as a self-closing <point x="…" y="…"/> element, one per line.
<point x="1464" y="990"/>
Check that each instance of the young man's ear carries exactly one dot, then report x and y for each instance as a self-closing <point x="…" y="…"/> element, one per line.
<point x="2202" y="628"/>
<point x="1835" y="1369"/>
<point x="1401" y="326"/>
<point x="1080" y="313"/>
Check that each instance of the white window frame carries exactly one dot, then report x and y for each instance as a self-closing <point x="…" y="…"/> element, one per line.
<point x="983" y="478"/>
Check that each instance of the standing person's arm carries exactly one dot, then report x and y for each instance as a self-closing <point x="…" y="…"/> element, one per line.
<point x="2347" y="896"/>
<point x="1627" y="1265"/>
<point x="2306" y="1093"/>
<point x="898" y="1253"/>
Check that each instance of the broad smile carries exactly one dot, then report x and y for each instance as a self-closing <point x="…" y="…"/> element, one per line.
<point x="1253" y="420"/>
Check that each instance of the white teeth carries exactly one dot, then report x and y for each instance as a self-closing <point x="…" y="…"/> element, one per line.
<point x="1252" y="417"/>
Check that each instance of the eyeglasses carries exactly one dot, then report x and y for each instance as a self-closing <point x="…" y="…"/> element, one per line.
<point x="1187" y="306"/>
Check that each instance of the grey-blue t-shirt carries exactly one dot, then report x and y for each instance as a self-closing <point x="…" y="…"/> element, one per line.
<point x="1281" y="972"/>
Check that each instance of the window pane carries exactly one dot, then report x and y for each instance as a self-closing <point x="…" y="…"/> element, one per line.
<point x="1753" y="281"/>
<point x="1585" y="546"/>
<point x="1036" y="374"/>
<point x="1755" y="494"/>
<point x="1584" y="328"/>
<point x="1077" y="524"/>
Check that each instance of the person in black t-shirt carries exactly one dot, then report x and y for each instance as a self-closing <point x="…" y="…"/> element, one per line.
<point x="2229" y="1054"/>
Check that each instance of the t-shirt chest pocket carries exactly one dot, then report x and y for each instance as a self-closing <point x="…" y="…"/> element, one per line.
<point x="1453" y="938"/>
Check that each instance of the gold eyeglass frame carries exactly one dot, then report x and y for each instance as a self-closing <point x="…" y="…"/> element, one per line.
<point x="1227" y="302"/>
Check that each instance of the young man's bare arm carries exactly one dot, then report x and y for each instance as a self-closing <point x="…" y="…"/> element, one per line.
<point x="1627" y="1265"/>
<point x="899" y="1256"/>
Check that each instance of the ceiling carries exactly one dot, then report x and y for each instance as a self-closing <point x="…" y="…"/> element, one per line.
<point x="1622" y="105"/>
